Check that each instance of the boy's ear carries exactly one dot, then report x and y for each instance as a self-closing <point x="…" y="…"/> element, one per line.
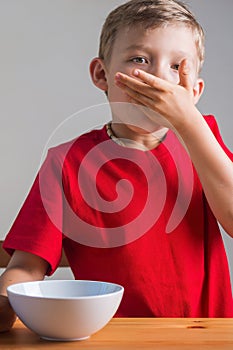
<point x="198" y="90"/>
<point x="98" y="73"/>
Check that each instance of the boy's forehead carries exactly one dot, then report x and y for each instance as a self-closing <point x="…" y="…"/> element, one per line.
<point x="139" y="38"/>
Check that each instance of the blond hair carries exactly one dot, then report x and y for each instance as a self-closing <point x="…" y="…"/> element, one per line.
<point x="149" y="14"/>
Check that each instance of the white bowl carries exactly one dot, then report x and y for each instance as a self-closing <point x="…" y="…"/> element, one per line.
<point x="65" y="310"/>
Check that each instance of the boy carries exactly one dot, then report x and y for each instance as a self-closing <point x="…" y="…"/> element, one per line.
<point x="161" y="241"/>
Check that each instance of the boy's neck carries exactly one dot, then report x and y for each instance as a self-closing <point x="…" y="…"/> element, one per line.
<point x="127" y="136"/>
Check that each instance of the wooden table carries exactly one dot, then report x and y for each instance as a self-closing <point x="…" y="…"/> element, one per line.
<point x="136" y="333"/>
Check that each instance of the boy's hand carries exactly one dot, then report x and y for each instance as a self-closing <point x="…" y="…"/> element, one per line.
<point x="174" y="102"/>
<point x="7" y="315"/>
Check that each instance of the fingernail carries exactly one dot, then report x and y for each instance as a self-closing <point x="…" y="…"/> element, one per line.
<point x="136" y="72"/>
<point x="118" y="76"/>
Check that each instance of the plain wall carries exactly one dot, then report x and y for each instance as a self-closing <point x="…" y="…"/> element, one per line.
<point x="46" y="47"/>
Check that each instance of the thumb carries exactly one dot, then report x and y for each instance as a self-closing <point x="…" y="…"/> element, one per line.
<point x="184" y="74"/>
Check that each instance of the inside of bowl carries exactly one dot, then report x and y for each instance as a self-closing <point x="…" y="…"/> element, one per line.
<point x="65" y="289"/>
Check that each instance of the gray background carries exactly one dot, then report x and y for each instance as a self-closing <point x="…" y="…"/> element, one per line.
<point x="46" y="47"/>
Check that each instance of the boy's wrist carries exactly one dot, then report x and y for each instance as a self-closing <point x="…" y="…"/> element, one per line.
<point x="185" y="126"/>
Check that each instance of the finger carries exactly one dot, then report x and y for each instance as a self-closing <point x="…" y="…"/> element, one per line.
<point x="143" y="80"/>
<point x="151" y="80"/>
<point x="134" y="93"/>
<point x="133" y="87"/>
<point x="125" y="80"/>
<point x="139" y="97"/>
<point x="184" y="74"/>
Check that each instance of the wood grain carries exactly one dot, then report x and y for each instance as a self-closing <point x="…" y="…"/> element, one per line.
<point x="136" y="333"/>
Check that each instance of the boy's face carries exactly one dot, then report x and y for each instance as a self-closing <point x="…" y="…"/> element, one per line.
<point x="158" y="51"/>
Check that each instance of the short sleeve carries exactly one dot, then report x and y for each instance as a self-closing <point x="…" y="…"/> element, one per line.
<point x="38" y="226"/>
<point x="211" y="121"/>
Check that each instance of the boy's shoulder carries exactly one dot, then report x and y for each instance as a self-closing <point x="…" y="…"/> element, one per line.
<point x="78" y="144"/>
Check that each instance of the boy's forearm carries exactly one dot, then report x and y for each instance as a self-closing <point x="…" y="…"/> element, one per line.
<point x="15" y="275"/>
<point x="23" y="267"/>
<point x="7" y="314"/>
<point x="214" y="168"/>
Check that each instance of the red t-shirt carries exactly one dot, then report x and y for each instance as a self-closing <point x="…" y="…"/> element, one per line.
<point x="135" y="218"/>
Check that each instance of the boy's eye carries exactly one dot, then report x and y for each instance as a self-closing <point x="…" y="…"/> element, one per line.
<point x="141" y="60"/>
<point x="175" y="66"/>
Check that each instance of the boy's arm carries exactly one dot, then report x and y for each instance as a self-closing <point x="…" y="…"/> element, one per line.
<point x="214" y="168"/>
<point x="22" y="267"/>
<point x="176" y="104"/>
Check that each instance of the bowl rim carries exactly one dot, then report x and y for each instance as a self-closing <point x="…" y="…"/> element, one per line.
<point x="10" y="290"/>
